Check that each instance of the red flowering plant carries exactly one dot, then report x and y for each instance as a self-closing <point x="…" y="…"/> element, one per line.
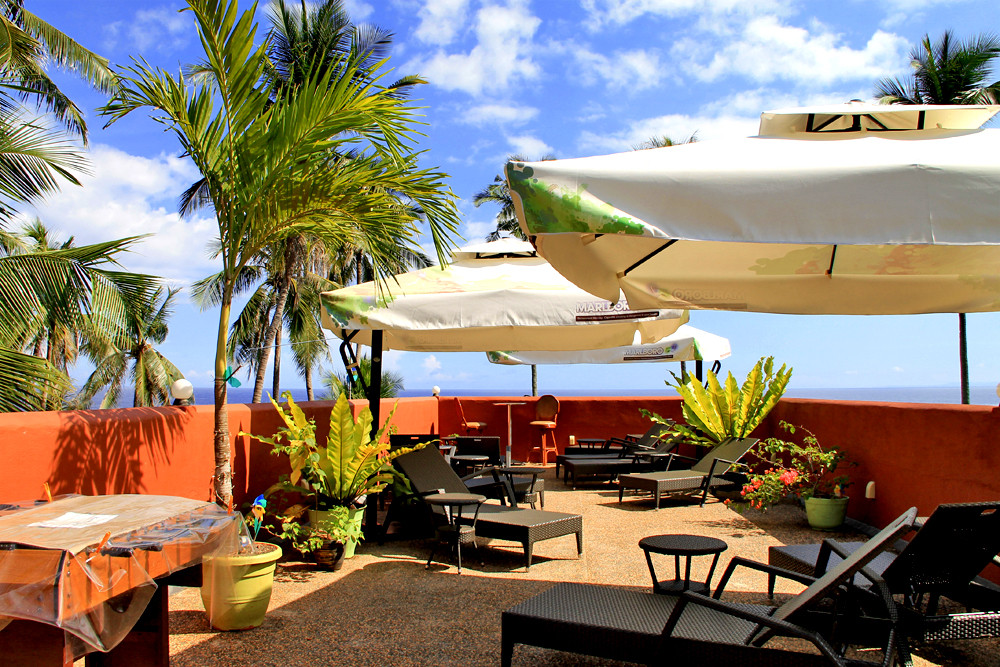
<point x="804" y="469"/>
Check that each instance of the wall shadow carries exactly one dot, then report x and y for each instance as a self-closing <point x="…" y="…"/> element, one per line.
<point x="102" y="452"/>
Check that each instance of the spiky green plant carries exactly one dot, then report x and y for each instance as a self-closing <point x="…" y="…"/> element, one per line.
<point x="715" y="412"/>
<point x="339" y="472"/>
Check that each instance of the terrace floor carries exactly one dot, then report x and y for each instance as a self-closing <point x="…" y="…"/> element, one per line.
<point x="384" y="608"/>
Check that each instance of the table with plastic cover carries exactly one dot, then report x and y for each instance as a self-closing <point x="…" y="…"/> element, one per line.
<point x="87" y="575"/>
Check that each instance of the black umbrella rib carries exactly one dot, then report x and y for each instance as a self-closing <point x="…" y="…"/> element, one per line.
<point x="833" y="258"/>
<point x="650" y="256"/>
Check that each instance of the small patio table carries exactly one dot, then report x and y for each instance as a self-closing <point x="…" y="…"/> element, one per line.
<point x="455" y="533"/>
<point x="509" y="436"/>
<point x="531" y="494"/>
<point x="680" y="546"/>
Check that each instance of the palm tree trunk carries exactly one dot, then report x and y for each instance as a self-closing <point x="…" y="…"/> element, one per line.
<point x="963" y="357"/>
<point x="223" y="479"/>
<point x="309" y="383"/>
<point x="534" y="380"/>
<point x="284" y="285"/>
<point x="276" y="376"/>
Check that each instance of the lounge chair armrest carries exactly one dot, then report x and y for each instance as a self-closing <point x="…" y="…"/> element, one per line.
<point x="715" y="462"/>
<point x="482" y="472"/>
<point x="675" y="455"/>
<point x="804" y="579"/>
<point x="776" y="627"/>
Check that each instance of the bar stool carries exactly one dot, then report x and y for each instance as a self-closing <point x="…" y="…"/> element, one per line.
<point x="546" y="412"/>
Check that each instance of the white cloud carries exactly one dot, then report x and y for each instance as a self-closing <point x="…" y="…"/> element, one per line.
<point x="129" y="195"/>
<point x="501" y="114"/>
<point x="676" y="126"/>
<point x="441" y="20"/>
<point x="529" y="146"/>
<point x="767" y="50"/>
<point x="431" y="364"/>
<point x="621" y="12"/>
<point x="500" y="58"/>
<point x="358" y="10"/>
<point x="638" y="69"/>
<point x="163" y="29"/>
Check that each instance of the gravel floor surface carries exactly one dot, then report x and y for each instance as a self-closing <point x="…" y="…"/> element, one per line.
<point x="384" y="608"/>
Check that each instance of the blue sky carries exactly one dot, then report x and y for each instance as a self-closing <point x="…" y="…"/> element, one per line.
<point x="563" y="77"/>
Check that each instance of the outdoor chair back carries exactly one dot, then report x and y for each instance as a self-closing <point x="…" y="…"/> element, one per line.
<point x="484" y="445"/>
<point x="547" y="408"/>
<point x="732" y="449"/>
<point x="843" y="572"/>
<point x="400" y="440"/>
<point x="956" y="543"/>
<point x="428" y="472"/>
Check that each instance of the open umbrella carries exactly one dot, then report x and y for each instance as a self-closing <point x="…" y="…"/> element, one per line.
<point x="685" y="344"/>
<point x="878" y="223"/>
<point x="492" y="296"/>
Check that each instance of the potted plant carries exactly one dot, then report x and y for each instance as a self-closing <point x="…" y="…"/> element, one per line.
<point x="236" y="588"/>
<point x="715" y="412"/>
<point x="326" y="539"/>
<point x="340" y="471"/>
<point x="804" y="469"/>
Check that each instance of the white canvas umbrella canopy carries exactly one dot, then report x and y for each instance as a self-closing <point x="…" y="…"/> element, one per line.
<point x="685" y="344"/>
<point x="832" y="223"/>
<point x="865" y="117"/>
<point x="497" y="295"/>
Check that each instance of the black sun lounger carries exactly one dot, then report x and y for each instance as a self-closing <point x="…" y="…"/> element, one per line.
<point x="690" y="629"/>
<point x="429" y="473"/>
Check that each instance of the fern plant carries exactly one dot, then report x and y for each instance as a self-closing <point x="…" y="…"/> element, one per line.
<point x="343" y="470"/>
<point x="715" y="412"/>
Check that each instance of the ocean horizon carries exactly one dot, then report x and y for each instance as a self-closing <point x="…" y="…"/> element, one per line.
<point x="947" y="395"/>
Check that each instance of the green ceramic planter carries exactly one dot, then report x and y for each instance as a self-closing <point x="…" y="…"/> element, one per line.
<point x="356" y="515"/>
<point x="826" y="513"/>
<point x="237" y="589"/>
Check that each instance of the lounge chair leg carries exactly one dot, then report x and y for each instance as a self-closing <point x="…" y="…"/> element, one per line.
<point x="433" y="549"/>
<point x="458" y="550"/>
<point x="506" y="652"/>
<point x="621" y="493"/>
<point x="770" y="586"/>
<point x="579" y="543"/>
<point x="528" y="547"/>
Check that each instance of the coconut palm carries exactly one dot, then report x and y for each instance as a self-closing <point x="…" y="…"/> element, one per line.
<point x="337" y="384"/>
<point x="30" y="43"/>
<point x="151" y="372"/>
<point x="948" y="72"/>
<point x="266" y="156"/>
<point x="663" y="141"/>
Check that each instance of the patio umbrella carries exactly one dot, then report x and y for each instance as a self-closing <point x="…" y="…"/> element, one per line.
<point x="492" y="296"/>
<point x="833" y="223"/>
<point x="685" y="344"/>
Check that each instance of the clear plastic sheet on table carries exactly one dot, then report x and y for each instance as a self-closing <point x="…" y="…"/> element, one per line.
<point x="56" y="566"/>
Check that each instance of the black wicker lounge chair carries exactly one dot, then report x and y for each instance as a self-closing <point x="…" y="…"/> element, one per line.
<point x="649" y="628"/>
<point x="700" y="477"/>
<point x="635" y="460"/>
<point x="429" y="473"/>
<point x="942" y="561"/>
<point x="613" y="448"/>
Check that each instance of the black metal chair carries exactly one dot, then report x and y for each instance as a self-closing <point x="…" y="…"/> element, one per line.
<point x="649" y="628"/>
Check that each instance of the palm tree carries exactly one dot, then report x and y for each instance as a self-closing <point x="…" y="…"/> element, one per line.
<point x="337" y="384"/>
<point x="265" y="155"/>
<point x="948" y="73"/>
<point x="498" y="193"/>
<point x="29" y="44"/>
<point x="663" y="141"/>
<point x="151" y="372"/>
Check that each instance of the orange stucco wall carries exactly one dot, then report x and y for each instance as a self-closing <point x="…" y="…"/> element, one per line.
<point x="919" y="455"/>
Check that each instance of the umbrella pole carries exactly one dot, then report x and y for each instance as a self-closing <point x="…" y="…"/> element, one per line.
<point x="963" y="353"/>
<point x="375" y="381"/>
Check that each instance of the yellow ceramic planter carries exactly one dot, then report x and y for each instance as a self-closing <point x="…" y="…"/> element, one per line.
<point x="237" y="589"/>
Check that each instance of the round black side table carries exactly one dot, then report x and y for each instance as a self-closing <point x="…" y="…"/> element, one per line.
<point x="455" y="533"/>
<point x="680" y="546"/>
